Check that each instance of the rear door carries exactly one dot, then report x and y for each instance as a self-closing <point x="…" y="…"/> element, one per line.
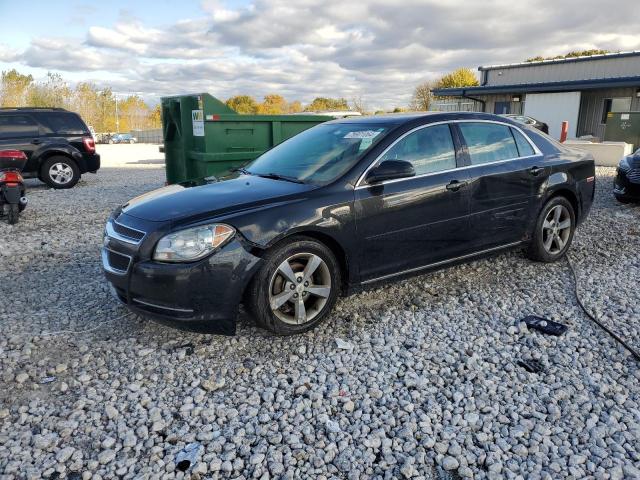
<point x="405" y="224"/>
<point x="20" y="131"/>
<point x="506" y="173"/>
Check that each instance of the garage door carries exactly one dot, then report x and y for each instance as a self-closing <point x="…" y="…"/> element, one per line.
<point x="553" y="109"/>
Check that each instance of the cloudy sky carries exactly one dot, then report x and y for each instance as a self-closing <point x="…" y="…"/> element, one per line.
<point x="374" y="49"/>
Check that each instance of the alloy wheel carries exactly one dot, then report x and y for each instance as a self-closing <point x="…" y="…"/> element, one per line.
<point x="61" y="173"/>
<point x="300" y="288"/>
<point x="556" y="229"/>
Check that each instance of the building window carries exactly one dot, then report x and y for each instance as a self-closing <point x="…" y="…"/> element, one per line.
<point x="621" y="104"/>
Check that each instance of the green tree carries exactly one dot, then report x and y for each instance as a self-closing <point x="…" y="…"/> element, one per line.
<point x="243" y="104"/>
<point x="14" y="88"/>
<point x="462" y="77"/>
<point x="54" y="92"/>
<point x="320" y="104"/>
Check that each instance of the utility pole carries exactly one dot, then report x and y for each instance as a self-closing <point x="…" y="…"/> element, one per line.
<point x="117" y="118"/>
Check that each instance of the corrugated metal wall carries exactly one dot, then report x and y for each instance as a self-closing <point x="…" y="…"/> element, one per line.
<point x="591" y="107"/>
<point x="612" y="67"/>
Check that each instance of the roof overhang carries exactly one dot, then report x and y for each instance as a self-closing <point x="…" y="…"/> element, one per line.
<point x="569" y="86"/>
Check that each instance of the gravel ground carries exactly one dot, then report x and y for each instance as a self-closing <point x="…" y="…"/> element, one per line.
<point x="431" y="386"/>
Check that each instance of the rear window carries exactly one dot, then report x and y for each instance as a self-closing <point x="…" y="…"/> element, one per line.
<point x="488" y="142"/>
<point x="63" y="123"/>
<point x="17" y="126"/>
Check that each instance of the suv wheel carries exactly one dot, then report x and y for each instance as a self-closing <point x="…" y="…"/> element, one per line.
<point x="60" y="172"/>
<point x="296" y="288"/>
<point x="554" y="231"/>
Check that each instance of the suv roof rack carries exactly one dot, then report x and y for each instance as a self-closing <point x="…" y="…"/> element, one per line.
<point x="34" y="108"/>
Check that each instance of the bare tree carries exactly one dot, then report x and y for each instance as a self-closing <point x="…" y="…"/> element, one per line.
<point x="358" y="105"/>
<point x="422" y="97"/>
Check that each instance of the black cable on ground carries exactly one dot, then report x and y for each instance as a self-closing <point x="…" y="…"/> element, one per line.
<point x="635" y="354"/>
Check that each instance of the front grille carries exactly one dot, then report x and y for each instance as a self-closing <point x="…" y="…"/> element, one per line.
<point x="114" y="262"/>
<point x="128" y="232"/>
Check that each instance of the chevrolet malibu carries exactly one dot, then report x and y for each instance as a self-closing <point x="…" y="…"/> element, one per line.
<point x="343" y="205"/>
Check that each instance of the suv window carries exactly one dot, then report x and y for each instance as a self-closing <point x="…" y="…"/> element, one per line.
<point x="63" y="123"/>
<point x="488" y="142"/>
<point x="524" y="147"/>
<point x="18" y="126"/>
<point x="429" y="149"/>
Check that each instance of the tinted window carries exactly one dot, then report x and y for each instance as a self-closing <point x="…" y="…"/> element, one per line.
<point x="17" y="126"/>
<point x="488" y="142"/>
<point x="429" y="149"/>
<point x="524" y="147"/>
<point x="63" y="123"/>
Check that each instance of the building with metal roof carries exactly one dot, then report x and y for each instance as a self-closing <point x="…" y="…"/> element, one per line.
<point x="581" y="90"/>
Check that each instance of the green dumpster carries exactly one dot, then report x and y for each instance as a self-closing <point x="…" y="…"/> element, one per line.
<point x="623" y="127"/>
<point x="204" y="138"/>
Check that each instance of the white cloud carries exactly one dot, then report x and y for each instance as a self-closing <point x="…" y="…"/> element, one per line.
<point x="374" y="48"/>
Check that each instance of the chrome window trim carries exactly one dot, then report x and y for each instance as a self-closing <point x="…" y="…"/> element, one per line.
<point x="113" y="234"/>
<point x="107" y="265"/>
<point x="360" y="183"/>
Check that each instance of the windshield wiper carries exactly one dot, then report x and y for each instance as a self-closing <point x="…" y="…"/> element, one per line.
<point x="277" y="176"/>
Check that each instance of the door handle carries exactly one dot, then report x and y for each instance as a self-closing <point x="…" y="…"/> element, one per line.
<point x="455" y="185"/>
<point x="36" y="141"/>
<point x="535" y="171"/>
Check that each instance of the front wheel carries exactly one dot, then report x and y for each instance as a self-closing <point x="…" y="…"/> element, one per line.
<point x="13" y="213"/>
<point x="296" y="288"/>
<point x="554" y="231"/>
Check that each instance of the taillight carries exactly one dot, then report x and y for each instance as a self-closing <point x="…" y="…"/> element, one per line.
<point x="17" y="154"/>
<point x="89" y="144"/>
<point x="10" y="177"/>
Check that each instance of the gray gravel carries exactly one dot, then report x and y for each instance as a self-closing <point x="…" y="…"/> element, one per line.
<point x="431" y="387"/>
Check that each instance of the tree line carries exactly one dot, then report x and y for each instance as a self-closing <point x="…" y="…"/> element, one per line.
<point x="100" y="108"/>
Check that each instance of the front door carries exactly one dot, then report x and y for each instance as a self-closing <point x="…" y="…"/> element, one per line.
<point x="409" y="223"/>
<point x="506" y="173"/>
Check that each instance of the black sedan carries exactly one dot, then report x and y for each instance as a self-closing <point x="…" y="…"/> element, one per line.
<point x="530" y="121"/>
<point x="626" y="187"/>
<point x="342" y="205"/>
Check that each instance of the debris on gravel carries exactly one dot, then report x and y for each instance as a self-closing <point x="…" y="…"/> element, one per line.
<point x="433" y="385"/>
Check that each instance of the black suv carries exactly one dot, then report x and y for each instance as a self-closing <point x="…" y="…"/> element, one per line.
<point x="58" y="144"/>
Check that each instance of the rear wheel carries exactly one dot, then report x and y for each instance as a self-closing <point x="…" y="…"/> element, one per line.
<point x="60" y="172"/>
<point x="296" y="288"/>
<point x="553" y="231"/>
<point x="13" y="213"/>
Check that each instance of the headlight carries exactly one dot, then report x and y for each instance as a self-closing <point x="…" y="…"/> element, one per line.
<point x="193" y="243"/>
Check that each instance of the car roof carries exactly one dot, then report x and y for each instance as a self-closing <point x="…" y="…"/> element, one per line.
<point x="33" y="109"/>
<point x="396" y="119"/>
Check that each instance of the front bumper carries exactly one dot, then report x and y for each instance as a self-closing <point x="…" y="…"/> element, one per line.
<point x="626" y="185"/>
<point x="202" y="296"/>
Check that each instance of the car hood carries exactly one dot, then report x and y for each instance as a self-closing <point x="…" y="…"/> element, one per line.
<point x="197" y="200"/>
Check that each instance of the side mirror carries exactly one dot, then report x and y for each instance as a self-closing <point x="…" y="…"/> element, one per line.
<point x="390" y="170"/>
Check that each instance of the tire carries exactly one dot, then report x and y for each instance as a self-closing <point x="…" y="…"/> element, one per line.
<point x="312" y="295"/>
<point x="67" y="170"/>
<point x="622" y="199"/>
<point x="553" y="232"/>
<point x="131" y="142"/>
<point x="13" y="213"/>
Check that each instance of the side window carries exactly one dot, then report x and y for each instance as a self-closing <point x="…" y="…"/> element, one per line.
<point x="18" y="126"/>
<point x="524" y="147"/>
<point x="64" y="123"/>
<point x="429" y="149"/>
<point x="488" y="142"/>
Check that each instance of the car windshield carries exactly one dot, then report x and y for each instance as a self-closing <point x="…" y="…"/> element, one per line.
<point x="319" y="155"/>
